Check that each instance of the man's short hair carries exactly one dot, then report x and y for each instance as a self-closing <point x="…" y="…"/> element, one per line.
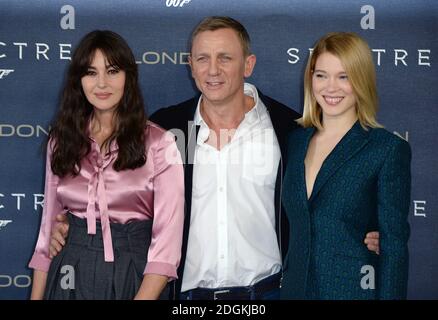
<point x="214" y="23"/>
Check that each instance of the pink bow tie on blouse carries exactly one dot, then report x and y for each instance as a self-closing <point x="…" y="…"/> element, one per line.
<point x="96" y="190"/>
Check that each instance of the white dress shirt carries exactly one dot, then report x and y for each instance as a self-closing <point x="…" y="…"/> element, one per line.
<point x="232" y="239"/>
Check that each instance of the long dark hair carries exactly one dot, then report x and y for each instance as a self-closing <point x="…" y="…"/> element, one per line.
<point x="69" y="132"/>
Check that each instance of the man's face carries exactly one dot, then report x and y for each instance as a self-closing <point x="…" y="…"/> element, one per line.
<point x="219" y="66"/>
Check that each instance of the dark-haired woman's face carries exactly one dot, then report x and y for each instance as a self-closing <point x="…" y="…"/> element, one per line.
<point x="103" y="84"/>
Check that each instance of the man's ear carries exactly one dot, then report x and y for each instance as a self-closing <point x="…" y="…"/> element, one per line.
<point x="189" y="59"/>
<point x="250" y="62"/>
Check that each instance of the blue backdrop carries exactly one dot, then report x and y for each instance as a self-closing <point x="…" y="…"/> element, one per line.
<point x="38" y="36"/>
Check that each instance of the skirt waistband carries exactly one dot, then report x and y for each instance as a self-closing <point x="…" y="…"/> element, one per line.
<point x="131" y="234"/>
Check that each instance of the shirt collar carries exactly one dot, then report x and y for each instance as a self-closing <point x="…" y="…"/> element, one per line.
<point x="253" y="115"/>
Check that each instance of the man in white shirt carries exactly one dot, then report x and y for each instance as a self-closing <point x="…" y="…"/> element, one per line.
<point x="234" y="142"/>
<point x="231" y="249"/>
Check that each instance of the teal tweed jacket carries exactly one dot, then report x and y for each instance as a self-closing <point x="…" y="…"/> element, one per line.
<point x="363" y="185"/>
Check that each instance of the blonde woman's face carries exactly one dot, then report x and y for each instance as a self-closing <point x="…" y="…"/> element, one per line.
<point x="332" y="89"/>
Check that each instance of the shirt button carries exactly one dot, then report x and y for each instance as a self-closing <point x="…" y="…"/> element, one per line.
<point x="222" y="256"/>
<point x="221" y="189"/>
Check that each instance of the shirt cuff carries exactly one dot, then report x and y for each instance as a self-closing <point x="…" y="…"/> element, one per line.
<point x="161" y="268"/>
<point x="40" y="262"/>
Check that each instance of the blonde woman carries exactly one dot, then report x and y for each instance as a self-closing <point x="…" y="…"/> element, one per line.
<point x="345" y="176"/>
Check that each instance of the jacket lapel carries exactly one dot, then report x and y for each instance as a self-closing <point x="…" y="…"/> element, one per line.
<point x="353" y="141"/>
<point x="308" y="133"/>
<point x="190" y="133"/>
<point x="280" y="124"/>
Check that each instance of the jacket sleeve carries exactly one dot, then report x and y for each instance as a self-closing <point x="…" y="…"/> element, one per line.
<point x="394" y="190"/>
<point x="40" y="259"/>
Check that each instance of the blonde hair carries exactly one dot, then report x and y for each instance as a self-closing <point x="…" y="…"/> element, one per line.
<point x="356" y="58"/>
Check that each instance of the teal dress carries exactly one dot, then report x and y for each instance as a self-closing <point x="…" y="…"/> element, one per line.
<point x="363" y="185"/>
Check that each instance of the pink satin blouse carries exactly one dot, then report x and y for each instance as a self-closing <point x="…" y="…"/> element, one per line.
<point x="153" y="191"/>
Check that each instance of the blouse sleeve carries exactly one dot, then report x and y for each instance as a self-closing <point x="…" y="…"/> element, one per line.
<point x="394" y="190"/>
<point x="40" y="259"/>
<point x="165" y="248"/>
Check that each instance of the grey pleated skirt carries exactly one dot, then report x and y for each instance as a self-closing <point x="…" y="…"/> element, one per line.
<point x="79" y="271"/>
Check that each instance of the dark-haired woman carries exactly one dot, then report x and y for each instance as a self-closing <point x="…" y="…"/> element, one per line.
<point x="119" y="179"/>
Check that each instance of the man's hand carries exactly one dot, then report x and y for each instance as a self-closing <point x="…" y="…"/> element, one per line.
<point x="372" y="241"/>
<point x="59" y="233"/>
